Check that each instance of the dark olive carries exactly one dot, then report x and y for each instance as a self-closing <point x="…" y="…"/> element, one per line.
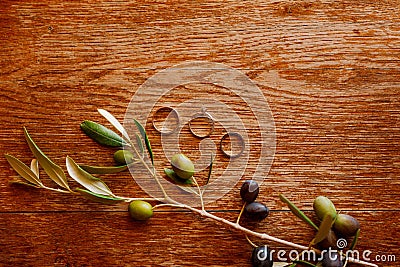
<point x="322" y="206"/>
<point x="123" y="157"/>
<point x="346" y="225"/>
<point x="331" y="258"/>
<point x="329" y="242"/>
<point x="256" y="211"/>
<point x="262" y="257"/>
<point x="182" y="166"/>
<point x="249" y="191"/>
<point x="140" y="210"/>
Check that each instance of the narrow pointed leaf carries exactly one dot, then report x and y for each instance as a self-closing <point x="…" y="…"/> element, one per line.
<point x="102" y="134"/>
<point x="23" y="170"/>
<point x="296" y="211"/>
<point x="53" y="170"/>
<point x="139" y="143"/>
<point x="35" y="167"/>
<point x="172" y="175"/>
<point x="210" y="169"/>
<point x="23" y="183"/>
<point x="355" y="239"/>
<point x="324" y="229"/>
<point x="99" y="197"/>
<point x="88" y="181"/>
<point x="114" y="122"/>
<point x="103" y="169"/>
<point x="304" y="263"/>
<point x="146" y="139"/>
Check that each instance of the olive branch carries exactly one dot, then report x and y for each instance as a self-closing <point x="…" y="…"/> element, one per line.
<point x="95" y="189"/>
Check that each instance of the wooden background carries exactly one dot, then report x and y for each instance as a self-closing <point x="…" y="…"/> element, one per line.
<point x="330" y="71"/>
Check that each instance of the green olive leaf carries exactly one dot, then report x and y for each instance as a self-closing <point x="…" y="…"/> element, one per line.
<point x="146" y="139"/>
<point x="304" y="263"/>
<point x="139" y="143"/>
<point x="324" y="229"/>
<point x="296" y="211"/>
<point x="283" y="264"/>
<point x="102" y="134"/>
<point x="172" y="175"/>
<point x="103" y="169"/>
<point x="23" y="183"/>
<point x="210" y="169"/>
<point x="88" y="181"/>
<point x="35" y="167"/>
<point x="114" y="122"/>
<point x="24" y="171"/>
<point x="53" y="170"/>
<point x="355" y="239"/>
<point x="105" y="199"/>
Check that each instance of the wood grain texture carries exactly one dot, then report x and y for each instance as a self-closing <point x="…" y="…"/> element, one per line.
<point x="330" y="71"/>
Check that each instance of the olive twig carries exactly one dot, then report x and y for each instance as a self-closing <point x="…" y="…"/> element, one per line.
<point x="57" y="189"/>
<point x="240" y="214"/>
<point x="263" y="235"/>
<point x="152" y="172"/>
<point x="200" y="192"/>
<point x="250" y="242"/>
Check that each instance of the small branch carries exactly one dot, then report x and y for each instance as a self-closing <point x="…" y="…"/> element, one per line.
<point x="56" y="189"/>
<point x="240" y="214"/>
<point x="264" y="236"/>
<point x="200" y="193"/>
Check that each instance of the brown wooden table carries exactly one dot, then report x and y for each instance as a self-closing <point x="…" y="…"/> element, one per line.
<point x="330" y="71"/>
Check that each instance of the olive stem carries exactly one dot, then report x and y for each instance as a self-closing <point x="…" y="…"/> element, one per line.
<point x="56" y="189"/>
<point x="240" y="214"/>
<point x="263" y="235"/>
<point x="200" y="193"/>
<point x="153" y="172"/>
<point x="250" y="242"/>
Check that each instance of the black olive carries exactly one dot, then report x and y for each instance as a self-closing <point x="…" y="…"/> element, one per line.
<point x="261" y="257"/>
<point x="249" y="191"/>
<point x="256" y="211"/>
<point x="331" y="258"/>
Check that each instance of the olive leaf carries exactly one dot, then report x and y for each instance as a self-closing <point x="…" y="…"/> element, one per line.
<point x="24" y="183"/>
<point x="24" y="171"/>
<point x="103" y="169"/>
<point x="210" y="169"/>
<point x="35" y="167"/>
<point x="172" y="175"/>
<point x="296" y="211"/>
<point x="53" y="170"/>
<point x="114" y="122"/>
<point x="102" y="134"/>
<point x="139" y="143"/>
<point x="105" y="199"/>
<point x="355" y="239"/>
<point x="146" y="139"/>
<point x="324" y="229"/>
<point x="304" y="263"/>
<point x="93" y="184"/>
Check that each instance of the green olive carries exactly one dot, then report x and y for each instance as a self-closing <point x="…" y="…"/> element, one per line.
<point x="322" y="206"/>
<point x="182" y="166"/>
<point x="123" y="157"/>
<point x="140" y="210"/>
<point x="346" y="225"/>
